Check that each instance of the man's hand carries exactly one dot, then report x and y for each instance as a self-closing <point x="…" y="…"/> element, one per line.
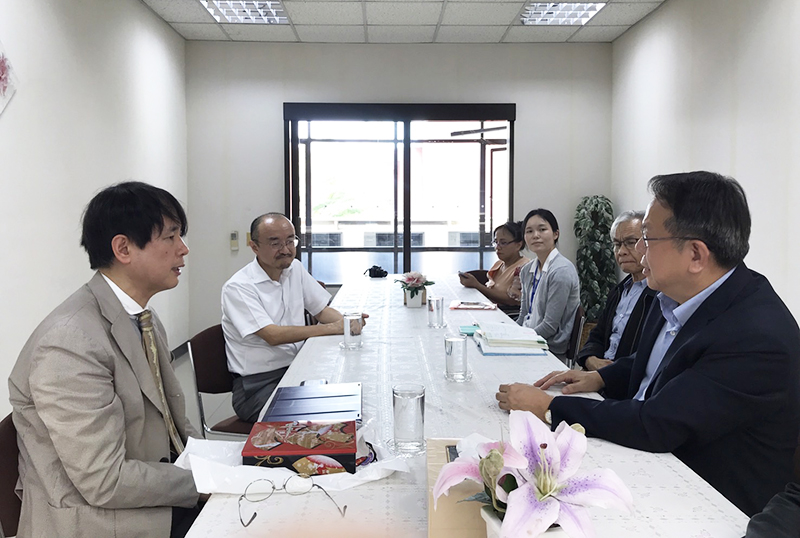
<point x="337" y="326"/>
<point x="468" y="280"/>
<point x="595" y="363"/>
<point x="523" y="397"/>
<point x="574" y="381"/>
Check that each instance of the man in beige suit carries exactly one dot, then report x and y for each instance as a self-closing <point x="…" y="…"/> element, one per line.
<point x="96" y="430"/>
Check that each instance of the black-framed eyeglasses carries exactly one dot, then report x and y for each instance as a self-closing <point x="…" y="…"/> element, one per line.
<point x="262" y="489"/>
<point x="647" y="240"/>
<point x="278" y="244"/>
<point x="628" y="242"/>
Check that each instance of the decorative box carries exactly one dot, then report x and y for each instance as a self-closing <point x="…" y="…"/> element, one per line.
<point x="307" y="447"/>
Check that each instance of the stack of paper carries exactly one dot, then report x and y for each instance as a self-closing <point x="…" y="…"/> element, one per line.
<point x="510" y="334"/>
<point x="472" y="305"/>
<point x="496" y="338"/>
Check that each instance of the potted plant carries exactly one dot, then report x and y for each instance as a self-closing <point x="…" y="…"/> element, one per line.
<point x="597" y="269"/>
<point x="413" y="283"/>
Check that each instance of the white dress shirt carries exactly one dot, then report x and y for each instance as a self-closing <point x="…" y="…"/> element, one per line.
<point x="675" y="317"/>
<point x="251" y="300"/>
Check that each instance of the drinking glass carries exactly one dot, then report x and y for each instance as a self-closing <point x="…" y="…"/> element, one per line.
<point x="353" y="323"/>
<point x="455" y="358"/>
<point x="436" y="312"/>
<point x="408" y="401"/>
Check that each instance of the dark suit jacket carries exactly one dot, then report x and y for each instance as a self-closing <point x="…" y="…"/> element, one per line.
<point x="600" y="335"/>
<point x="725" y="399"/>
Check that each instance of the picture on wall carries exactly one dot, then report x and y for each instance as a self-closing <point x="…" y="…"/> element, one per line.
<point x="8" y="81"/>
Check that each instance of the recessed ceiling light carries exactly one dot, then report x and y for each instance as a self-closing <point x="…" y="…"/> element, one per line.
<point x="241" y="12"/>
<point x="554" y="13"/>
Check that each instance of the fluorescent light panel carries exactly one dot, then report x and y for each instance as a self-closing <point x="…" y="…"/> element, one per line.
<point x="241" y="12"/>
<point x="553" y="13"/>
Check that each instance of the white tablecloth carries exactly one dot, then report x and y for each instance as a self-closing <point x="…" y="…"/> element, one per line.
<point x="670" y="500"/>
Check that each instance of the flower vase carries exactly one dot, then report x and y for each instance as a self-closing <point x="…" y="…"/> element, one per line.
<point x="415" y="301"/>
<point x="492" y="521"/>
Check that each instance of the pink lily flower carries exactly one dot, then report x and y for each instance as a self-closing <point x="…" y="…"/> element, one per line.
<point x="551" y="489"/>
<point x="466" y="467"/>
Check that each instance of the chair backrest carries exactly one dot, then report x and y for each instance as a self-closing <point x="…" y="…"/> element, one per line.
<point x="10" y="504"/>
<point x="207" y="353"/>
<point x="575" y="336"/>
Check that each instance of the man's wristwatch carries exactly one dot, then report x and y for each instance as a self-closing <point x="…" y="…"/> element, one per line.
<point x="548" y="417"/>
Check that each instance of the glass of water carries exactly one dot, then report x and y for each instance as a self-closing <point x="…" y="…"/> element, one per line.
<point x="408" y="401"/>
<point x="353" y="323"/>
<point x="436" y="312"/>
<point x="455" y="358"/>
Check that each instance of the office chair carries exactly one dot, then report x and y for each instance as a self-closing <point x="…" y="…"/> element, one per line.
<point x="575" y="337"/>
<point x="10" y="504"/>
<point x="211" y="375"/>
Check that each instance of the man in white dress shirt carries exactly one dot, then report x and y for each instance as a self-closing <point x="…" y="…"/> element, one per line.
<point x="263" y="314"/>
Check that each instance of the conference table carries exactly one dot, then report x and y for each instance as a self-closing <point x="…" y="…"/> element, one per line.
<point x="670" y="500"/>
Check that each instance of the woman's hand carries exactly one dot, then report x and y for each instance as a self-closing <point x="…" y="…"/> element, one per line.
<point x="468" y="281"/>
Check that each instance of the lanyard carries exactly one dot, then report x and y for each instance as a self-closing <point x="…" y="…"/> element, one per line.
<point x="534" y="286"/>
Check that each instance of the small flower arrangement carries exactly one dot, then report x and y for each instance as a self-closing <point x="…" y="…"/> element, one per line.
<point x="413" y="282"/>
<point x="533" y="481"/>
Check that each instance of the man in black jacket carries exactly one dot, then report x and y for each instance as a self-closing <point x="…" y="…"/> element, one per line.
<point x="715" y="378"/>
<point x="620" y="324"/>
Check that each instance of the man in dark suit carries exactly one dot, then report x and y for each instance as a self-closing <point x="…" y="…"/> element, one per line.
<point x="716" y="374"/>
<point x="619" y="326"/>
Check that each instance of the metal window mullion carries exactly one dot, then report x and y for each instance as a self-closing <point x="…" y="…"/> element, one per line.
<point x="395" y="191"/>
<point x="406" y="196"/>
<point x="309" y="223"/>
<point x="482" y="198"/>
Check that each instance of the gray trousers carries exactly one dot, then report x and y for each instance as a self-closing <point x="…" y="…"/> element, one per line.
<point x="251" y="392"/>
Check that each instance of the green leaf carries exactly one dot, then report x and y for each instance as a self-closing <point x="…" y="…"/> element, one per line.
<point x="480" y="497"/>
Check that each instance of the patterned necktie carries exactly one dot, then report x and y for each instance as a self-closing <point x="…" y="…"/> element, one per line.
<point x="145" y="319"/>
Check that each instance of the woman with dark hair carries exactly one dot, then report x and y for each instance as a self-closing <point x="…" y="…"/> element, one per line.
<point x="550" y="288"/>
<point x="507" y="243"/>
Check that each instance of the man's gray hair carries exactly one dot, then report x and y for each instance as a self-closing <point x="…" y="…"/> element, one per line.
<point x="626" y="216"/>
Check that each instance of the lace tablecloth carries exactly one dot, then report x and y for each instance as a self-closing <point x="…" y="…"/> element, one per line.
<point x="670" y="499"/>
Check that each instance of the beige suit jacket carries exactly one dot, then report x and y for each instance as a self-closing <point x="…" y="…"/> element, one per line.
<point x="94" y="450"/>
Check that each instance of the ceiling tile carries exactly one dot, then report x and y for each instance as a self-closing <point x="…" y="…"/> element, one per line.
<point x="200" y="32"/>
<point x="328" y="13"/>
<point x="180" y="10"/>
<point x="260" y="32"/>
<point x="400" y="34"/>
<point x="330" y="34"/>
<point x="403" y="13"/>
<point x="622" y="13"/>
<point x="598" y="34"/>
<point x="633" y="1"/>
<point x="539" y="34"/>
<point x="481" y="13"/>
<point x="470" y="34"/>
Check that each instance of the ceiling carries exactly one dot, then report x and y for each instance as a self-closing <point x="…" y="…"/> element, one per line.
<point x="392" y="21"/>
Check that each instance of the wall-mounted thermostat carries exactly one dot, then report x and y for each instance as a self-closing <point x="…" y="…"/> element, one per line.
<point x="234" y="241"/>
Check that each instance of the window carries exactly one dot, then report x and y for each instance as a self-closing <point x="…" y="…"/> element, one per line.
<point x="326" y="239"/>
<point x="387" y="239"/>
<point x="359" y="174"/>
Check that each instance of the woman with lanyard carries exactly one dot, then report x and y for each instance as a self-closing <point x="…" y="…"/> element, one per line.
<point x="550" y="289"/>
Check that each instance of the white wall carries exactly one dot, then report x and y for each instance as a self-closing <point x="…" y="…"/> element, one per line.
<point x="235" y="96"/>
<point x="101" y="99"/>
<point x="714" y="85"/>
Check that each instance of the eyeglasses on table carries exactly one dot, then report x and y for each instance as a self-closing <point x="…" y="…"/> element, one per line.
<point x="294" y="485"/>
